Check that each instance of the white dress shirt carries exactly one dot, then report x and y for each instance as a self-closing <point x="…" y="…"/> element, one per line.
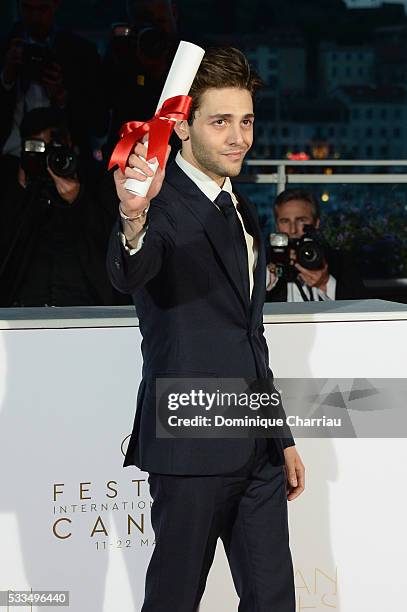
<point x="34" y="97"/>
<point x="211" y="190"/>
<point x="312" y="293"/>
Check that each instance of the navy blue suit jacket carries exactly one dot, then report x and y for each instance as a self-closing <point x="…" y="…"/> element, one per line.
<point x="194" y="319"/>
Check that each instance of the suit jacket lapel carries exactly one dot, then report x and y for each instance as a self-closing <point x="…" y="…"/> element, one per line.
<point x="213" y="222"/>
<point x="259" y="277"/>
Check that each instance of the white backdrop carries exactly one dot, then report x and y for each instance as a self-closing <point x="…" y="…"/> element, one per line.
<point x="72" y="518"/>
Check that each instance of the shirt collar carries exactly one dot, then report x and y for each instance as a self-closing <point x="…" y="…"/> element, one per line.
<point x="202" y="180"/>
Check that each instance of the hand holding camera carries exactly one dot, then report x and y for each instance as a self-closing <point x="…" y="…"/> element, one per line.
<point x="54" y="162"/>
<point x="67" y="187"/>
<point x="302" y="258"/>
<point x="314" y="278"/>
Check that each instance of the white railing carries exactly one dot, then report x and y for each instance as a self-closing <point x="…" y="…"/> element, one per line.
<point x="281" y="178"/>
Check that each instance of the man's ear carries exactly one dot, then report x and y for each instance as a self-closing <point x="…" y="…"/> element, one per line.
<point x="317" y="223"/>
<point x="182" y="130"/>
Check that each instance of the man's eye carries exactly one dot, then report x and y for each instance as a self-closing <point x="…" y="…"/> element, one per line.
<point x="248" y="122"/>
<point x="219" y="122"/>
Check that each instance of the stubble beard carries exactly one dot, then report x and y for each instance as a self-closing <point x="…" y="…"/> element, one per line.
<point x="208" y="163"/>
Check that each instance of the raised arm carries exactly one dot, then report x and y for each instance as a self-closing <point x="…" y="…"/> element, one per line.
<point x="144" y="230"/>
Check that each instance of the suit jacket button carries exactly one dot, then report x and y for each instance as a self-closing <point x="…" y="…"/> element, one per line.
<point x="117" y="263"/>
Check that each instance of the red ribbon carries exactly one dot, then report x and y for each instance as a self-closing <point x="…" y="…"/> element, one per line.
<point x="158" y="128"/>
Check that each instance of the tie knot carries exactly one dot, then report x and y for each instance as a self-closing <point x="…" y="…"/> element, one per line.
<point x="225" y="203"/>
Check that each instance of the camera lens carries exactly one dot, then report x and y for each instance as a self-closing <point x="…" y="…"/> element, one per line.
<point x="309" y="254"/>
<point x="62" y="161"/>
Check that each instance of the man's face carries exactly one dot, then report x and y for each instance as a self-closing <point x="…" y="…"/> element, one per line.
<point x="47" y="135"/>
<point x="38" y="16"/>
<point x="292" y="216"/>
<point x="221" y="132"/>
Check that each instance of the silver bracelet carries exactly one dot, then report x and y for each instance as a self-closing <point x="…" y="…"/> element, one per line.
<point x="127" y="218"/>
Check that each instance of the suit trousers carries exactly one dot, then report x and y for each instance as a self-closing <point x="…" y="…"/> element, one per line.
<point x="247" y="509"/>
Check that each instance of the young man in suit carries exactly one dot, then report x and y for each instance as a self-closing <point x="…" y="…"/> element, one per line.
<point x="192" y="257"/>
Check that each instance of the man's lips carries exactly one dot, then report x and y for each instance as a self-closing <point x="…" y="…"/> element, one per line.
<point x="234" y="154"/>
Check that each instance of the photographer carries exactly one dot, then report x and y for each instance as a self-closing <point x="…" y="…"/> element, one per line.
<point x="54" y="230"/>
<point x="301" y="265"/>
<point x="137" y="62"/>
<point x="42" y="65"/>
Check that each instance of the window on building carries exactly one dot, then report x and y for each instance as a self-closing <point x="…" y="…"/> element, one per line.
<point x="285" y="132"/>
<point x="383" y="132"/>
<point x="397" y="132"/>
<point x="397" y="113"/>
<point x="369" y="132"/>
<point x="355" y="113"/>
<point x="383" y="113"/>
<point x="369" y="151"/>
<point x="368" y="113"/>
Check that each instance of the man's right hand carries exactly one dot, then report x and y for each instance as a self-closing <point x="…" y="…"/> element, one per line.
<point x="271" y="278"/>
<point x="137" y="168"/>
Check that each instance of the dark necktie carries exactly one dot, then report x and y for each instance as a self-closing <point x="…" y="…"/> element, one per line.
<point x="225" y="203"/>
<point x="305" y="297"/>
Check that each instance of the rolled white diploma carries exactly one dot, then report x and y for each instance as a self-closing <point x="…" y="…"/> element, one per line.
<point x="178" y="83"/>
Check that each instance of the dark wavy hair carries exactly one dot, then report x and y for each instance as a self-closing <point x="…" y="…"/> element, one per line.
<point x="223" y="67"/>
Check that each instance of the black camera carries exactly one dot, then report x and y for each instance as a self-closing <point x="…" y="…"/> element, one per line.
<point x="309" y="252"/>
<point x="36" y="156"/>
<point x="147" y="41"/>
<point x="36" y="59"/>
<point x="152" y="42"/>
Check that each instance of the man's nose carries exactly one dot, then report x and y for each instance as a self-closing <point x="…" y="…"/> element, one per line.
<point x="235" y="135"/>
<point x="292" y="229"/>
<point x="296" y="229"/>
